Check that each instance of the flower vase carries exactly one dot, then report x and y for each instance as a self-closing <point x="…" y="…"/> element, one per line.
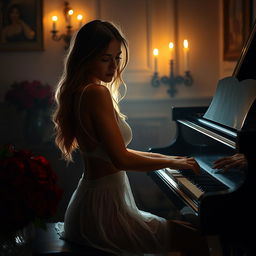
<point x="18" y="243"/>
<point x="34" y="126"/>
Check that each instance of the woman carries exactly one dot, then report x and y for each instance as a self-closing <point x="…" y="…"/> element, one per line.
<point x="16" y="30"/>
<point x="102" y="212"/>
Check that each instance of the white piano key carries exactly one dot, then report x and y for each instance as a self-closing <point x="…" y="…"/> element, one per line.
<point x="185" y="182"/>
<point x="190" y="186"/>
<point x="168" y="178"/>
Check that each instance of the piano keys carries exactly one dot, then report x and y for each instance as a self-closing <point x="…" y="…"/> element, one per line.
<point x="221" y="201"/>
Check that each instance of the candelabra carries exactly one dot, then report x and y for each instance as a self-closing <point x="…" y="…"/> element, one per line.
<point x="66" y="37"/>
<point x="172" y="80"/>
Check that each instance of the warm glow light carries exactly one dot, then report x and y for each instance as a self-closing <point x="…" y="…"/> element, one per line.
<point x="185" y="43"/>
<point x="186" y="52"/>
<point x="54" y="18"/>
<point x="54" y="21"/>
<point x="155" y="52"/>
<point x="70" y="12"/>
<point x="171" y="45"/>
<point x="79" y="16"/>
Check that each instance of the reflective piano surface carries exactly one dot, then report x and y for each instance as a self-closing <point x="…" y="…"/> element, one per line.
<point x="221" y="201"/>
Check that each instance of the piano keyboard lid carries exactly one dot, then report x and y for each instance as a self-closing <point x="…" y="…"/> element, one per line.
<point x="235" y="95"/>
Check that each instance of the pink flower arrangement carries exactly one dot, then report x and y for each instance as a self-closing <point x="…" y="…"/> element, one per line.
<point x="29" y="95"/>
<point x="28" y="189"/>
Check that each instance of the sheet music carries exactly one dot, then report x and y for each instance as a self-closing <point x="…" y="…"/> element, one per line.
<point x="232" y="102"/>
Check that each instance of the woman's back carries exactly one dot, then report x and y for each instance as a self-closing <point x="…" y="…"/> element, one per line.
<point x="95" y="156"/>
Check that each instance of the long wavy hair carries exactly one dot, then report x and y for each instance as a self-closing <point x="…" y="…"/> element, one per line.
<point x="93" y="38"/>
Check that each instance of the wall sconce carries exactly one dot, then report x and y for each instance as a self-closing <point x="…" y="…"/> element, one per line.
<point x="66" y="37"/>
<point x="172" y="80"/>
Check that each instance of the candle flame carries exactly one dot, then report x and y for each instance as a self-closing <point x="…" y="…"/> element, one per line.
<point x="79" y="16"/>
<point x="171" y="45"/>
<point x="70" y="12"/>
<point x="155" y="52"/>
<point x="54" y="18"/>
<point x="185" y="44"/>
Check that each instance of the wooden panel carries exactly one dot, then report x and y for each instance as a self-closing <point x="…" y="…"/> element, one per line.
<point x="134" y="25"/>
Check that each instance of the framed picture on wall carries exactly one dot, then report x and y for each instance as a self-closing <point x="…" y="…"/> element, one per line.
<point x="237" y="23"/>
<point x="21" y="25"/>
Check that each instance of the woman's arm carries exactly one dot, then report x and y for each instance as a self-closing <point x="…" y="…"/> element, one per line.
<point x="148" y="154"/>
<point x="138" y="162"/>
<point x="29" y="33"/>
<point x="102" y="113"/>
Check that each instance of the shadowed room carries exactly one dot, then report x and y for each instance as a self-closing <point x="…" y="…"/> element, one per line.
<point x="184" y="56"/>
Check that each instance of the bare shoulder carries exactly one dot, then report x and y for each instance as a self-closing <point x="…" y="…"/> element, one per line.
<point x="96" y="92"/>
<point x="94" y="86"/>
<point x="98" y="98"/>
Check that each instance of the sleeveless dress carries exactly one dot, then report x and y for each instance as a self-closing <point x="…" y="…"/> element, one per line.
<point x="102" y="213"/>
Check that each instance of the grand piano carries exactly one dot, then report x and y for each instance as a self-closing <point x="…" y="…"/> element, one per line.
<point x="222" y="203"/>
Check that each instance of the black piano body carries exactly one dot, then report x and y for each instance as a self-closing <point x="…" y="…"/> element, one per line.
<point x="222" y="202"/>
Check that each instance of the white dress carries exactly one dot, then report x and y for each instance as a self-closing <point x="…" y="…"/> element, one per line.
<point x="102" y="213"/>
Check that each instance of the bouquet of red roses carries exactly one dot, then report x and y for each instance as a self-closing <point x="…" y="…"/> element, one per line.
<point x="28" y="95"/>
<point x="28" y="189"/>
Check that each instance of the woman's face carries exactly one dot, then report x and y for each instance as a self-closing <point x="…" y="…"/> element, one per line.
<point x="15" y="14"/>
<point x="105" y="65"/>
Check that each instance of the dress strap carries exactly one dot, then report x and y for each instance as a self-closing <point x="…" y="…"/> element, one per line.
<point x="79" y="115"/>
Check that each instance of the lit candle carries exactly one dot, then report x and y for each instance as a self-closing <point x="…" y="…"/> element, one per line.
<point x="54" y="20"/>
<point x="186" y="50"/>
<point x="171" y="47"/>
<point x="80" y="18"/>
<point x="70" y="13"/>
<point x="155" y="53"/>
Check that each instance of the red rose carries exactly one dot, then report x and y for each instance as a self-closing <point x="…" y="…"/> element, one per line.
<point x="27" y="95"/>
<point x="28" y="188"/>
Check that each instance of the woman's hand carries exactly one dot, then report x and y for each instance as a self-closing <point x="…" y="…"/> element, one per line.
<point x="180" y="162"/>
<point x="235" y="161"/>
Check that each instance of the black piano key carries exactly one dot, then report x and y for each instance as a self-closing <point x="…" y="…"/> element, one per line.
<point x="204" y="181"/>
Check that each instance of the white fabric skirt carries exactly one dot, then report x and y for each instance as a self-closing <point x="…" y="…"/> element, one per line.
<point x="102" y="213"/>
